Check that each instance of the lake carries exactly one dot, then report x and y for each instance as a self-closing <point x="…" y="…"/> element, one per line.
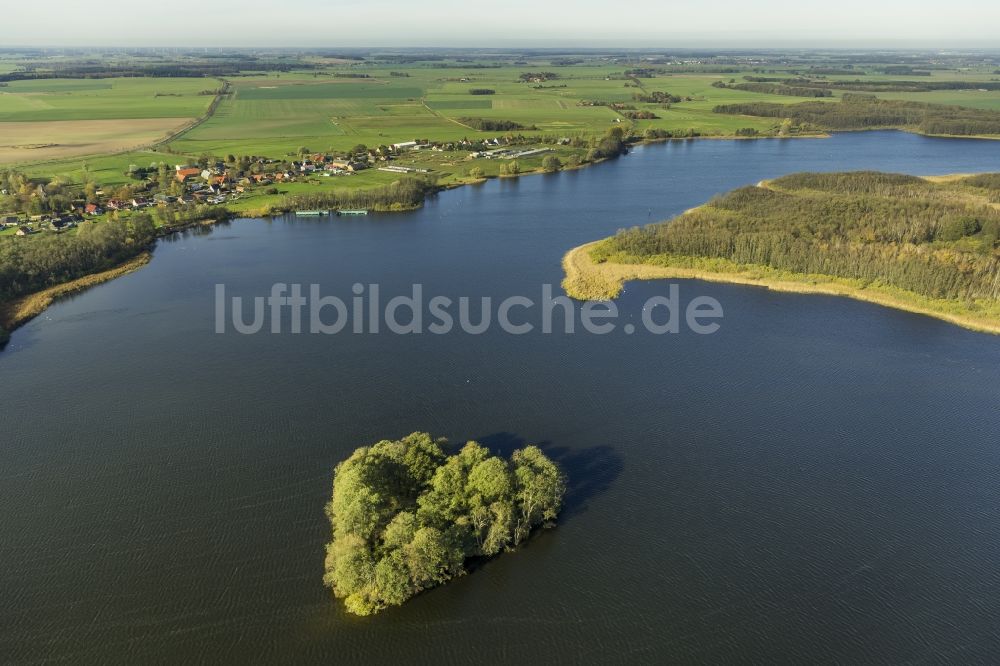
<point x="815" y="482"/>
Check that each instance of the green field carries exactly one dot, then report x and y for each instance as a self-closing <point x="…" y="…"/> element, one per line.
<point x="56" y="119"/>
<point x="276" y="114"/>
<point x="131" y="98"/>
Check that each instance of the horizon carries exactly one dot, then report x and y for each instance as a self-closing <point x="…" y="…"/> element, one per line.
<point x="590" y="48"/>
<point x="520" y="24"/>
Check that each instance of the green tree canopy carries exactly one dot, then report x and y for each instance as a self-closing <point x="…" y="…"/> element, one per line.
<point x="406" y="516"/>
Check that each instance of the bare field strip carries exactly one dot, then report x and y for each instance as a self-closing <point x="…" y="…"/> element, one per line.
<point x="59" y="139"/>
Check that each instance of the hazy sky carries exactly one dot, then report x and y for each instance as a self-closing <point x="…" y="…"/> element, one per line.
<point x="640" y="23"/>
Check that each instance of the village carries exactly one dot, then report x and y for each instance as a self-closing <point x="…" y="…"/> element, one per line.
<point x="215" y="182"/>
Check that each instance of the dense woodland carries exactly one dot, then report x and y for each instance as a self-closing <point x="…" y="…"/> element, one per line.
<point x="938" y="240"/>
<point x="406" y="516"/>
<point x="856" y="112"/>
<point x="52" y="259"/>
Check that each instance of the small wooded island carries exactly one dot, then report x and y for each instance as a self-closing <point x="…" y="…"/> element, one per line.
<point x="927" y="245"/>
<point x="406" y="516"/>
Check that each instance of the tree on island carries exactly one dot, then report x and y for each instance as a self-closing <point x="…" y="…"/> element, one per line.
<point x="406" y="516"/>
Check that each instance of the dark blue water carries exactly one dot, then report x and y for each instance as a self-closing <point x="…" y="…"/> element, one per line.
<point x="816" y="482"/>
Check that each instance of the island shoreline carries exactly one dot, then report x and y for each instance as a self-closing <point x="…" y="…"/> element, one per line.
<point x="586" y="279"/>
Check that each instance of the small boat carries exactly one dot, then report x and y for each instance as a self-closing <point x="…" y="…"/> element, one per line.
<point x="352" y="212"/>
<point x="310" y="213"/>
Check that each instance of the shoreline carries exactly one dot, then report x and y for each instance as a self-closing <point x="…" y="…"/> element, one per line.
<point x="587" y="280"/>
<point x="18" y="312"/>
<point x="9" y="322"/>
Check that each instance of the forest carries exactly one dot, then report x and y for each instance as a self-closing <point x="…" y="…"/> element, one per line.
<point x="855" y="112"/>
<point x="406" y="516"/>
<point x="939" y="240"/>
<point x="52" y="259"/>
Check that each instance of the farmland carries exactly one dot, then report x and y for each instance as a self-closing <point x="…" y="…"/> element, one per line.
<point x="270" y="115"/>
<point x="24" y="141"/>
<point x="331" y="104"/>
<point x="93" y="128"/>
<point x="58" y="118"/>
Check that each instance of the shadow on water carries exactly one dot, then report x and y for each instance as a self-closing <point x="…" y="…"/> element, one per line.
<point x="589" y="472"/>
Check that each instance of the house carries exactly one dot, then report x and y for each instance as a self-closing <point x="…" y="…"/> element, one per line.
<point x="23" y="231"/>
<point x="116" y="204"/>
<point x="183" y="174"/>
<point x="405" y="145"/>
<point x="92" y="209"/>
<point x="7" y="218"/>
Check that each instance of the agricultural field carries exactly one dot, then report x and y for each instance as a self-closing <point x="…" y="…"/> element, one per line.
<point x="84" y="129"/>
<point x="58" y="139"/>
<point x="976" y="99"/>
<point x="59" y="118"/>
<point x="276" y="115"/>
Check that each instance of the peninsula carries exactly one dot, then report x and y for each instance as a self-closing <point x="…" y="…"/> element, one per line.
<point x="926" y="245"/>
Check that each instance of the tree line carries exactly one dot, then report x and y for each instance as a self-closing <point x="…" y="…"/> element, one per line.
<point x="775" y="89"/>
<point x="656" y="97"/>
<point x="901" y="231"/>
<point x="187" y="69"/>
<point x="855" y="112"/>
<point x="407" y="192"/>
<point x="875" y="86"/>
<point x="492" y="124"/>
<point x="28" y="266"/>
<point x="405" y="516"/>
